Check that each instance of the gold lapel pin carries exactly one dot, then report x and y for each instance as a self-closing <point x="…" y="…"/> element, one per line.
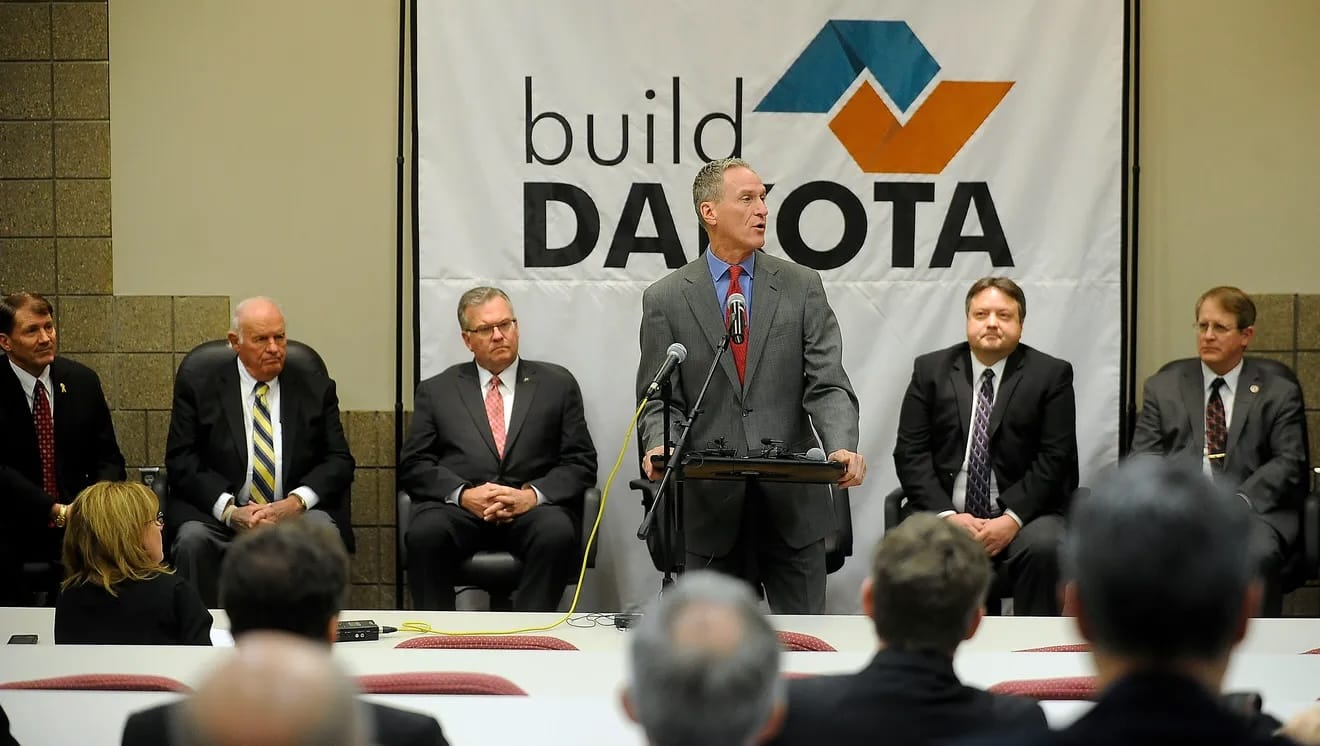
<point x="63" y="390"/>
<point x="1255" y="388"/>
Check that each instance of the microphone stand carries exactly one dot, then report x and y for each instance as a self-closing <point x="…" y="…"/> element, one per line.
<point x="674" y="460"/>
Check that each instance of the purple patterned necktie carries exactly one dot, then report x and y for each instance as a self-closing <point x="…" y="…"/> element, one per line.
<point x="1216" y="428"/>
<point x="978" y="462"/>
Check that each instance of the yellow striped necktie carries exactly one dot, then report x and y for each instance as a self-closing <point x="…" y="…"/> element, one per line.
<point x="263" y="448"/>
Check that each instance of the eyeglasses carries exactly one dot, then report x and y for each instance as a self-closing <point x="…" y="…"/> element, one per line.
<point x="1219" y="330"/>
<point x="484" y="332"/>
<point x="160" y="519"/>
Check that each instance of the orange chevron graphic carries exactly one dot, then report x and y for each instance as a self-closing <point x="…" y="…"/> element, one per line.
<point x="931" y="138"/>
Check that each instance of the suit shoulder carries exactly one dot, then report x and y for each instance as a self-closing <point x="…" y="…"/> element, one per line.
<point x="940" y="358"/>
<point x="553" y="370"/>
<point x="445" y="377"/>
<point x="405" y="726"/>
<point x="1044" y="360"/>
<point x="1175" y="368"/>
<point x="148" y="727"/>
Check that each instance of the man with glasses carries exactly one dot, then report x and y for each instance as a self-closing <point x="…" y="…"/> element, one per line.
<point x="1241" y="419"/>
<point x="497" y="457"/>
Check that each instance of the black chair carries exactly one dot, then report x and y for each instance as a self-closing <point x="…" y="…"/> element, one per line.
<point x="497" y="573"/>
<point x="838" y="543"/>
<point x="208" y="356"/>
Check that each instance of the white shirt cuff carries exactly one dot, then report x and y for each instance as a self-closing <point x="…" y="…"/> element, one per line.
<point x="309" y="496"/>
<point x="1014" y="516"/>
<point x="540" y="497"/>
<point x="947" y="513"/>
<point x="456" y="497"/>
<point x="222" y="502"/>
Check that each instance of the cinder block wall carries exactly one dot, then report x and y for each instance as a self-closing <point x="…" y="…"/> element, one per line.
<point x="55" y="239"/>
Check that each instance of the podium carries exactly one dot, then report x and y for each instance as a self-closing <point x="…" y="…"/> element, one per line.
<point x="666" y="544"/>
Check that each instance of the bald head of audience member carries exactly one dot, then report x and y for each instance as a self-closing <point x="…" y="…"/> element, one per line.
<point x="926" y="593"/>
<point x="291" y="577"/>
<point x="257" y="334"/>
<point x="705" y="667"/>
<point x="276" y="690"/>
<point x="1158" y="570"/>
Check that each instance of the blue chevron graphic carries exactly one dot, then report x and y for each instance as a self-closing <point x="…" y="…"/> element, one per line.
<point x="839" y="53"/>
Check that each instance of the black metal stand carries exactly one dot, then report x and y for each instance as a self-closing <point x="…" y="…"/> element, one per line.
<point x="669" y="486"/>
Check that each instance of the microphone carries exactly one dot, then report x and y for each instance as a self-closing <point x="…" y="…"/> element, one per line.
<point x="736" y="305"/>
<point x="814" y="454"/>
<point x="674" y="357"/>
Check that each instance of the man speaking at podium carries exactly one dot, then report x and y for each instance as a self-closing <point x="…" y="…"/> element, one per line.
<point x="785" y="377"/>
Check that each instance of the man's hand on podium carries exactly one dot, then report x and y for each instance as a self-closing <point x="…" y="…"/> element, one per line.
<point x="856" y="468"/>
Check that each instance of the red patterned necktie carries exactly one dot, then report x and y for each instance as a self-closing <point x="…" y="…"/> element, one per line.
<point x="739" y="348"/>
<point x="45" y="426"/>
<point x="495" y="413"/>
<point x="1216" y="428"/>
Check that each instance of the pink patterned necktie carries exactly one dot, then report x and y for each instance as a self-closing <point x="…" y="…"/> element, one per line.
<point x="45" y="426"/>
<point x="495" y="413"/>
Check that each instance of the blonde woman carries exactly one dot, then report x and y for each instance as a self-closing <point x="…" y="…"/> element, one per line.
<point x="117" y="589"/>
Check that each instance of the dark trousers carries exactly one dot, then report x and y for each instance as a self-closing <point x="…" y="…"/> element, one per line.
<point x="200" y="546"/>
<point x="1267" y="553"/>
<point x="792" y="578"/>
<point x="442" y="535"/>
<point x="1030" y="566"/>
<point x="20" y="545"/>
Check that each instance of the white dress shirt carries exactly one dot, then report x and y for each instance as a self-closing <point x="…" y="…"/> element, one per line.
<point x="960" y="482"/>
<point x="29" y="384"/>
<point x="248" y="399"/>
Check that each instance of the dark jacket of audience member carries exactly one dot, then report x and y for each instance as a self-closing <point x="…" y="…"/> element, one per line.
<point x="117" y="590"/>
<point x="928" y="582"/>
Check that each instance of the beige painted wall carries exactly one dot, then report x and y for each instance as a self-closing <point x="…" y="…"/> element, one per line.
<point x="1230" y="104"/>
<point x="253" y="153"/>
<point x="261" y="134"/>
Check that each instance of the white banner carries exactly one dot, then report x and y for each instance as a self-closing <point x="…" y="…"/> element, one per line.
<point x="911" y="147"/>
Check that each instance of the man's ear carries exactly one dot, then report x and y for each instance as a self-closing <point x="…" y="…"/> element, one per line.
<point x="233" y="339"/>
<point x="625" y="699"/>
<point x="868" y="598"/>
<point x="707" y="211"/>
<point x="1072" y="604"/>
<point x="1251" y="605"/>
<point x="6" y="344"/>
<point x="975" y="624"/>
<point x="773" y="724"/>
<point x="332" y="629"/>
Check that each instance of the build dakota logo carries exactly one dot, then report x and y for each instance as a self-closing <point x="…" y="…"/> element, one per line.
<point x="900" y="63"/>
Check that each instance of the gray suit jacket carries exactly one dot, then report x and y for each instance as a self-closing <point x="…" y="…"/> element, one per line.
<point x="1267" y="455"/>
<point x="794" y="381"/>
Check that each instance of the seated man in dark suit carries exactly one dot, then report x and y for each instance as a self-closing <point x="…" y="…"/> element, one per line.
<point x="987" y="439"/>
<point x="925" y="594"/>
<point x="56" y="438"/>
<point x="1159" y="569"/>
<point x="1241" y="420"/>
<point x="498" y="455"/>
<point x="251" y="444"/>
<point x="703" y="666"/>
<point x="291" y="578"/>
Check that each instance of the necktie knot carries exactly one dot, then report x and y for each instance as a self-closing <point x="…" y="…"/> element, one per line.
<point x="735" y="272"/>
<point x="260" y="389"/>
<point x="1217" y="384"/>
<point x="494" y="382"/>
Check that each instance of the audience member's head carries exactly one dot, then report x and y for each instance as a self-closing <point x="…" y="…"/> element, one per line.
<point x="290" y="577"/>
<point x="927" y="587"/>
<point x="276" y="690"/>
<point x="257" y="334"/>
<point x="705" y="667"/>
<point x="113" y="535"/>
<point x="1158" y="569"/>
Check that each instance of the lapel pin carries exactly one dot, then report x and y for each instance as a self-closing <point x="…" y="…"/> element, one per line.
<point x="1255" y="388"/>
<point x="63" y="390"/>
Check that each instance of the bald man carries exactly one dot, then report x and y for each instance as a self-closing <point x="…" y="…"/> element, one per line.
<point x="251" y="443"/>
<point x="289" y="691"/>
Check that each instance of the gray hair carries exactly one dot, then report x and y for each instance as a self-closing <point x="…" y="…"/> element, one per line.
<point x="476" y="297"/>
<point x="1161" y="561"/>
<point x="928" y="579"/>
<point x="709" y="184"/>
<point x="716" y="688"/>
<point x="241" y="309"/>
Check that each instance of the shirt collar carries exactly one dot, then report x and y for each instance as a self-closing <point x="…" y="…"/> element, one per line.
<point x="1230" y="378"/>
<point x="248" y="383"/>
<point x="508" y="376"/>
<point x="718" y="266"/>
<point x="29" y="382"/>
<point x="978" y="368"/>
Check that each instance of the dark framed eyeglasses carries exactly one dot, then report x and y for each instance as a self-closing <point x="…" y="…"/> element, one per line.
<point x="160" y="519"/>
